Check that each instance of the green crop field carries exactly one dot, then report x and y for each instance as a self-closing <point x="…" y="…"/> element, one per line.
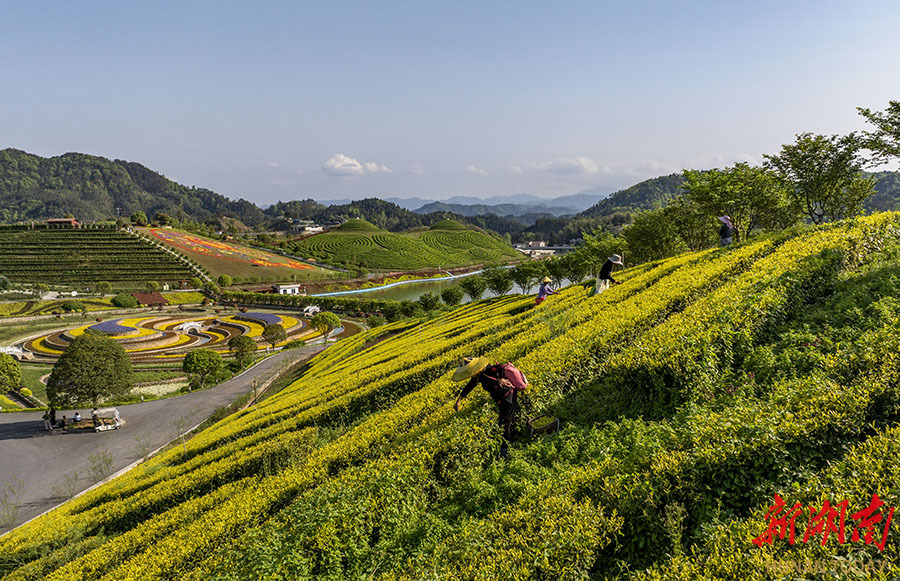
<point x="236" y="260"/>
<point x="448" y="244"/>
<point x="86" y="256"/>
<point x="689" y="396"/>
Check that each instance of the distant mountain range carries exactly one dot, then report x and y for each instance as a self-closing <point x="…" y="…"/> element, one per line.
<point x="96" y="188"/>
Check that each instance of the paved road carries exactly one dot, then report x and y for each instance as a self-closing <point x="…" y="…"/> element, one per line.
<point x="42" y="459"/>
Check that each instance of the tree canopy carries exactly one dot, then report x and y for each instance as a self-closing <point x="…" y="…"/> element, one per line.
<point x="10" y="373"/>
<point x="243" y="348"/>
<point x="202" y="363"/>
<point x="825" y="174"/>
<point x="94" y="367"/>
<point x="325" y="322"/>
<point x="273" y="333"/>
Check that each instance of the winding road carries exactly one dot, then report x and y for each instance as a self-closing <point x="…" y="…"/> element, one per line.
<point x="41" y="459"/>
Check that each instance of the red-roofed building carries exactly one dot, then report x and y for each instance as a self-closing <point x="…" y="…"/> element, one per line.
<point x="150" y="299"/>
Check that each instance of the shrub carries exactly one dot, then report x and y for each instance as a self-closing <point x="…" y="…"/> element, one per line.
<point x="125" y="301"/>
<point x="25" y="392"/>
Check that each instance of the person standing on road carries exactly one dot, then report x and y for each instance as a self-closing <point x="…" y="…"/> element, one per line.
<point x="46" y="418"/>
<point x="544" y="291"/>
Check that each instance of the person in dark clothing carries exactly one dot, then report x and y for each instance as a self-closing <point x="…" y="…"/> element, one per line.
<point x="479" y="370"/>
<point x="726" y="231"/>
<point x="605" y="279"/>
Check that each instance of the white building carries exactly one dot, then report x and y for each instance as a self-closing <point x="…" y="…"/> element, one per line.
<point x="289" y="289"/>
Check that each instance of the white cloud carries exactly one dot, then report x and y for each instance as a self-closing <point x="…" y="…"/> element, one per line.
<point x="476" y="170"/>
<point x="373" y="167"/>
<point x="514" y="169"/>
<point x="343" y="165"/>
<point x="272" y="164"/>
<point x="416" y="169"/>
<point x="300" y="172"/>
<point x="579" y="165"/>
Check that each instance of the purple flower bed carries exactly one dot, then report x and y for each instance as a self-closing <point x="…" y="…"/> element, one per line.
<point x="264" y="318"/>
<point x="111" y="328"/>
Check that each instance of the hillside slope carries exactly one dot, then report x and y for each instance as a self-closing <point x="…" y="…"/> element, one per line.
<point x="93" y="188"/>
<point x="689" y="395"/>
<point x="360" y="244"/>
<point x="86" y="256"/>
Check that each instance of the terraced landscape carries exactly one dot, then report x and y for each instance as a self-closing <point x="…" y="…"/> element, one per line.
<point x="446" y="245"/>
<point x="150" y="338"/>
<point x="86" y="256"/>
<point x="237" y="260"/>
<point x="689" y="396"/>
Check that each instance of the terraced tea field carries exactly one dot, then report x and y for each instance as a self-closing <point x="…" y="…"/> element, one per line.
<point x="689" y="397"/>
<point x="368" y="247"/>
<point x="84" y="256"/>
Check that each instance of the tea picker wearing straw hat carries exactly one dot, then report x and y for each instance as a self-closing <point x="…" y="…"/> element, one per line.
<point x="544" y="291"/>
<point x="501" y="381"/>
<point x="605" y="279"/>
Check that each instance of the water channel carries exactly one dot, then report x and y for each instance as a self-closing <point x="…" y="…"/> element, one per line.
<point x="412" y="290"/>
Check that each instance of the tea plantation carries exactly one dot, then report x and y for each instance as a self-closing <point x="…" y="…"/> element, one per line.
<point x="689" y="396"/>
<point x="447" y="244"/>
<point x="85" y="256"/>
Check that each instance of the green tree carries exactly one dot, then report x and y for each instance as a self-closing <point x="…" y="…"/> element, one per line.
<point x="452" y="295"/>
<point x="202" y="363"/>
<point x="498" y="280"/>
<point x="884" y="140"/>
<point x="695" y="226"/>
<point x="92" y="368"/>
<point x="124" y="301"/>
<point x="163" y="219"/>
<point x="474" y="286"/>
<point x="139" y="218"/>
<point x="429" y="301"/>
<point x="273" y="333"/>
<point x="556" y="269"/>
<point x="825" y="175"/>
<point x="243" y="348"/>
<point x="196" y="282"/>
<point x="597" y="247"/>
<point x="10" y="374"/>
<point x="651" y="237"/>
<point x="103" y="288"/>
<point x="526" y="275"/>
<point x="751" y="196"/>
<point x="224" y="280"/>
<point x="575" y="266"/>
<point x="4" y="283"/>
<point x="151" y="286"/>
<point x="325" y="322"/>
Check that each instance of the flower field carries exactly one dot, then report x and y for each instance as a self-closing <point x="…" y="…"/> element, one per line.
<point x="689" y="396"/>
<point x="220" y="257"/>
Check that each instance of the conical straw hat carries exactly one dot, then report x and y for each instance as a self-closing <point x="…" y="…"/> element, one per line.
<point x="470" y="367"/>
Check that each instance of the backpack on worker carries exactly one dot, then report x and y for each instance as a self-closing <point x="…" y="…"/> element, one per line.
<point x="511" y="377"/>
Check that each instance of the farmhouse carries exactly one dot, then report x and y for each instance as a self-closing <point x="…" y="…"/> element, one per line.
<point x="288" y="289"/>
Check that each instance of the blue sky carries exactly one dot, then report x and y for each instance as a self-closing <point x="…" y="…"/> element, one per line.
<point x="289" y="100"/>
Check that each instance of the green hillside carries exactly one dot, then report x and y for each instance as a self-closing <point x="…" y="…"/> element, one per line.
<point x="689" y="395"/>
<point x="95" y="188"/>
<point x="358" y="243"/>
<point x="86" y="256"/>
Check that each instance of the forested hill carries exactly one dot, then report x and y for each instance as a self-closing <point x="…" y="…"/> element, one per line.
<point x="642" y="196"/>
<point x="91" y="188"/>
